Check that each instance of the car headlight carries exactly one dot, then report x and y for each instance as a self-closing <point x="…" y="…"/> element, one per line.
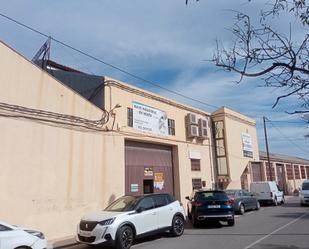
<point x="107" y="222"/>
<point x="36" y="233"/>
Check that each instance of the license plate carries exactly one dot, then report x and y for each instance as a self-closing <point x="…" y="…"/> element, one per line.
<point x="214" y="206"/>
<point x="85" y="233"/>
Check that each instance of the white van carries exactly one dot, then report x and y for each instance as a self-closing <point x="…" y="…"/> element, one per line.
<point x="304" y="193"/>
<point x="267" y="192"/>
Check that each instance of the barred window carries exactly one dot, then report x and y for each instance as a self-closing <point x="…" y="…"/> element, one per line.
<point x="303" y="172"/>
<point x="296" y="172"/>
<point x="289" y="172"/>
<point x="171" y="127"/>
<point x="195" y="164"/>
<point x="196" y="183"/>
<point x="268" y="173"/>
<point x="130" y="116"/>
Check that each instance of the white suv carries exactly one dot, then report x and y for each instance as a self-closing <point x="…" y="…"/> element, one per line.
<point x="131" y="217"/>
<point x="12" y="237"/>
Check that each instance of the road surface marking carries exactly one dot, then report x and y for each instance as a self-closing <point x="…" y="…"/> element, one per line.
<point x="277" y="230"/>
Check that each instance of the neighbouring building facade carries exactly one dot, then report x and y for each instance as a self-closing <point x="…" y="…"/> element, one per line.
<point x="73" y="142"/>
<point x="289" y="172"/>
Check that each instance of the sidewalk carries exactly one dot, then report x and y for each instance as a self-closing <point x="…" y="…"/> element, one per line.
<point x="62" y="243"/>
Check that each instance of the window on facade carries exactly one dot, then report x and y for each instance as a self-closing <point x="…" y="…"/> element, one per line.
<point x="196" y="183"/>
<point x="171" y="127"/>
<point x="303" y="172"/>
<point x="219" y="129"/>
<point x="130" y="116"/>
<point x="220" y="147"/>
<point x="307" y="171"/>
<point x="222" y="166"/>
<point x="195" y="164"/>
<point x="289" y="172"/>
<point x="296" y="172"/>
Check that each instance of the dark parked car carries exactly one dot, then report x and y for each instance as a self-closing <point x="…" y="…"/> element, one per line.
<point x="206" y="205"/>
<point x="243" y="200"/>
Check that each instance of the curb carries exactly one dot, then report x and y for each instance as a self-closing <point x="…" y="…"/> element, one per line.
<point x="62" y="243"/>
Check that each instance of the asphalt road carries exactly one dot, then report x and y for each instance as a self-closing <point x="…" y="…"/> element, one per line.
<point x="282" y="227"/>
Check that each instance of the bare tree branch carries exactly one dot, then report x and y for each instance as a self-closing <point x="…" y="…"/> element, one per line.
<point x="261" y="51"/>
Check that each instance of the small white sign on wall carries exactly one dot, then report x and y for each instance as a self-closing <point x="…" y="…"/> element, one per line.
<point x="194" y="155"/>
<point x="134" y="187"/>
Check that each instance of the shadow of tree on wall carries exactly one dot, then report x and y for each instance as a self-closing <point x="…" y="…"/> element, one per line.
<point x="111" y="199"/>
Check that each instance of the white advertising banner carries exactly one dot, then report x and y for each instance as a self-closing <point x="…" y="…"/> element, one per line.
<point x="247" y="145"/>
<point x="149" y="119"/>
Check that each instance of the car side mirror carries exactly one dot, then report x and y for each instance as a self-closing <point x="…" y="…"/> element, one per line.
<point x="187" y="198"/>
<point x="252" y="195"/>
<point x="140" y="209"/>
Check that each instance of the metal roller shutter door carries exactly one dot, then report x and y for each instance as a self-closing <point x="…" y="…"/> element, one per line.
<point x="139" y="156"/>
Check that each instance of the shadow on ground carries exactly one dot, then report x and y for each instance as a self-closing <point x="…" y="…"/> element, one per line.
<point x="273" y="246"/>
<point x="205" y="225"/>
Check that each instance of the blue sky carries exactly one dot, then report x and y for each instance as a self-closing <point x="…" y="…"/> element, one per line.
<point x="165" y="42"/>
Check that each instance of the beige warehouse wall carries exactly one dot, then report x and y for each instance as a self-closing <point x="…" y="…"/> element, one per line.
<point x="51" y="175"/>
<point x="116" y="95"/>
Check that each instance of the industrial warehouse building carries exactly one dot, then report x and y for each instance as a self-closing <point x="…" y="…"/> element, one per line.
<point x="73" y="142"/>
<point x="289" y="172"/>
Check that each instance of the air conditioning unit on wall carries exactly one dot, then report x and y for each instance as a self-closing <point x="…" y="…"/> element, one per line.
<point x="191" y="119"/>
<point x="192" y="131"/>
<point x="202" y="125"/>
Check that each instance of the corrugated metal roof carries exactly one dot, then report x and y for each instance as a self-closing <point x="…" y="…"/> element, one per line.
<point x="283" y="158"/>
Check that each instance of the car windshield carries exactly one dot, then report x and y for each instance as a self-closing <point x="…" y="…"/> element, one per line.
<point x="125" y="203"/>
<point x="213" y="195"/>
<point x="305" y="186"/>
<point x="231" y="192"/>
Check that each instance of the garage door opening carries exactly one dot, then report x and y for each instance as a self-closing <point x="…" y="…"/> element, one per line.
<point x="148" y="168"/>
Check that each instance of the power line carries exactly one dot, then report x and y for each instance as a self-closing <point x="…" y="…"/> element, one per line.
<point x="108" y="64"/>
<point x="302" y="122"/>
<point x="289" y="139"/>
<point x="283" y="139"/>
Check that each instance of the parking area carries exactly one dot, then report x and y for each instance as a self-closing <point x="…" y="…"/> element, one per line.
<point x="280" y="227"/>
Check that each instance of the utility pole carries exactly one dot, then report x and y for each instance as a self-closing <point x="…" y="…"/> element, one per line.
<point x="267" y="151"/>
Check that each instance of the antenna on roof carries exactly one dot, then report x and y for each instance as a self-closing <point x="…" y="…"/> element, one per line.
<point x="45" y="51"/>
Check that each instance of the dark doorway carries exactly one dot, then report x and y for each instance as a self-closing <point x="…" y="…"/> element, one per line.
<point x="148" y="186"/>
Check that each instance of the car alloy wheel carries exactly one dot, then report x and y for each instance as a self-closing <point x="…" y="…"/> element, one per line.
<point x="283" y="200"/>
<point x="177" y="226"/>
<point x="258" y="205"/>
<point x="125" y="238"/>
<point x="241" y="209"/>
<point x="275" y="202"/>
